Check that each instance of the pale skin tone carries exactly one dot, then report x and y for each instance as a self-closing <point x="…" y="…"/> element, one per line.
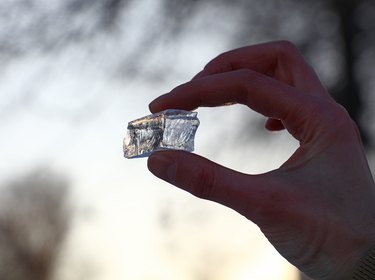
<point x="318" y="208"/>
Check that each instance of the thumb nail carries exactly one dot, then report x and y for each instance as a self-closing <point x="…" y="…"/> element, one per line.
<point x="162" y="166"/>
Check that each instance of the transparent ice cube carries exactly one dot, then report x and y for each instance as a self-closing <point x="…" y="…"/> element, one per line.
<point x="167" y="130"/>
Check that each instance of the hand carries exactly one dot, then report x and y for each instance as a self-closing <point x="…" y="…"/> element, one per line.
<point x="318" y="208"/>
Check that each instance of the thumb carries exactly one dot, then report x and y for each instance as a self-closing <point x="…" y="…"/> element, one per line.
<point x="206" y="179"/>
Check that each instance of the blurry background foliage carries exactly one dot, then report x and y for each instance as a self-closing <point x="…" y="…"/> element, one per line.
<point x="336" y="36"/>
<point x="147" y="42"/>
<point x="34" y="219"/>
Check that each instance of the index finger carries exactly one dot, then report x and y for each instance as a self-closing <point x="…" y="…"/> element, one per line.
<point x="261" y="93"/>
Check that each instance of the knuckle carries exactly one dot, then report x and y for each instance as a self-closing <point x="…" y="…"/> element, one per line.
<point x="287" y="47"/>
<point x="339" y="112"/>
<point x="334" y="120"/>
<point x="243" y="78"/>
<point x="334" y="114"/>
<point x="204" y="183"/>
<point x="342" y="121"/>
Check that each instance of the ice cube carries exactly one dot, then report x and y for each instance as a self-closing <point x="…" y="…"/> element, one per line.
<point x="167" y="130"/>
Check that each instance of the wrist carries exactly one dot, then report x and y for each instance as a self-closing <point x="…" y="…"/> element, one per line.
<point x="365" y="268"/>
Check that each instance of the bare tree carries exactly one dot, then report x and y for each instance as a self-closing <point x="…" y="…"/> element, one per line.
<point x="33" y="223"/>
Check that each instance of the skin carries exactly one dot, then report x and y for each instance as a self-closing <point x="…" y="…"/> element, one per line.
<point x="318" y="208"/>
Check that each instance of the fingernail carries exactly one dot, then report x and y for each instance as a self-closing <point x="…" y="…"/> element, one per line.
<point x="162" y="166"/>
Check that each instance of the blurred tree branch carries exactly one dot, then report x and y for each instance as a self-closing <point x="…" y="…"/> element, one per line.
<point x="51" y="28"/>
<point x="347" y="91"/>
<point x="33" y="223"/>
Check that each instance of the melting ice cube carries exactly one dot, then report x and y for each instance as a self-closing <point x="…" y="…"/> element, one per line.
<point x="167" y="130"/>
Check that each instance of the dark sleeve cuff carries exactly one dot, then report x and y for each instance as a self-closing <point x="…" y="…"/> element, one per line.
<point x="365" y="269"/>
